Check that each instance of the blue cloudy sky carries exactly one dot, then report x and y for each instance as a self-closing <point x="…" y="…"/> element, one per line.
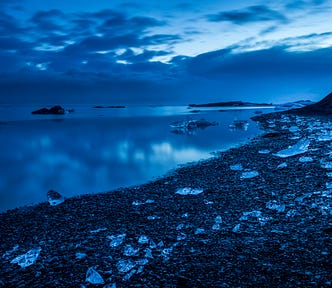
<point x="164" y="52"/>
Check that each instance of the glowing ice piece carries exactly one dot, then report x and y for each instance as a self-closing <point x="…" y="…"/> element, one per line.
<point x="299" y="148"/>
<point x="282" y="165"/>
<point x="54" y="198"/>
<point x="189" y="191"/>
<point x="236" y="167"/>
<point x="94" y="277"/>
<point x="264" y="151"/>
<point x="273" y="205"/>
<point x="116" y="240"/>
<point x="125" y="266"/>
<point x="249" y="174"/>
<point x="305" y="159"/>
<point x="27" y="259"/>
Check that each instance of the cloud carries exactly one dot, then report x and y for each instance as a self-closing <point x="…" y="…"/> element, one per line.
<point x="257" y="13"/>
<point x="301" y="4"/>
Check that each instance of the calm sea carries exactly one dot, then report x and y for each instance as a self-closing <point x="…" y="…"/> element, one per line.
<point x="97" y="150"/>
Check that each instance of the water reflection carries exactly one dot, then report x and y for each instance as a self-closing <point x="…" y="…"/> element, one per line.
<point x="78" y="156"/>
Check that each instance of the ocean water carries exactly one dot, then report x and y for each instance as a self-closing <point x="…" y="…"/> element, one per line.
<point x="98" y="150"/>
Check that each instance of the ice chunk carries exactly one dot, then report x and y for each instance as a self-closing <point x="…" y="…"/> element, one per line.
<point x="329" y="174"/>
<point x="180" y="226"/>
<point x="148" y="253"/>
<point x="291" y="213"/>
<point x="304" y="159"/>
<point x="327" y="136"/>
<point x="249" y="174"/>
<point x="282" y="165"/>
<point x="236" y="229"/>
<point x="166" y="252"/>
<point x="116" y="240"/>
<point x="218" y="220"/>
<point x="181" y="236"/>
<point x="236" y="167"/>
<point x="293" y="129"/>
<point x="273" y="205"/>
<point x="142" y="262"/>
<point x="299" y="148"/>
<point x="326" y="165"/>
<point x="94" y="277"/>
<point x="125" y="266"/>
<point x="255" y="214"/>
<point x="264" y="151"/>
<point x="138" y="203"/>
<point x="80" y="255"/>
<point x="27" y="259"/>
<point x="130" y="250"/>
<point x="207" y="202"/>
<point x="98" y="230"/>
<point x="54" y="198"/>
<point x="199" y="231"/>
<point x="189" y="191"/>
<point x="328" y="185"/>
<point x="143" y="239"/>
<point x="153" y="217"/>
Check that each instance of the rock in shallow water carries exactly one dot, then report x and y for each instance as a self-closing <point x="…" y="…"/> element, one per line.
<point x="54" y="198"/>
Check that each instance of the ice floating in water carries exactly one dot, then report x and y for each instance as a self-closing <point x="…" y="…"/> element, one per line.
<point x="116" y="240"/>
<point x="273" y="205"/>
<point x="27" y="259"/>
<point x="304" y="159"/>
<point x="217" y="222"/>
<point x="153" y="217"/>
<point x="329" y="174"/>
<point x="130" y="250"/>
<point x="325" y="137"/>
<point x="255" y="214"/>
<point x="282" y="165"/>
<point x="125" y="266"/>
<point x="299" y="148"/>
<point x="328" y="185"/>
<point x="94" y="277"/>
<point x="181" y="237"/>
<point x="189" y="191"/>
<point x="148" y="253"/>
<point x="236" y="167"/>
<point x="291" y="213"/>
<point x="249" y="174"/>
<point x="54" y="198"/>
<point x="143" y="239"/>
<point x="207" y="202"/>
<point x="239" y="125"/>
<point x="264" y="151"/>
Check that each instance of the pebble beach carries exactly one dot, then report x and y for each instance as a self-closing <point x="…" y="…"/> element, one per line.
<point x="258" y="215"/>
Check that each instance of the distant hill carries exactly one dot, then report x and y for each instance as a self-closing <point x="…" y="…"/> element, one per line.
<point x="229" y="104"/>
<point x="323" y="107"/>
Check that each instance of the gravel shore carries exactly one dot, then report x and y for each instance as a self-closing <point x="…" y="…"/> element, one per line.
<point x="255" y="218"/>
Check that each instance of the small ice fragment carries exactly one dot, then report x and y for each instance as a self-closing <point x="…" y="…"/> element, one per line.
<point x="185" y="215"/>
<point x="129" y="275"/>
<point x="207" y="202"/>
<point x="329" y="174"/>
<point x="189" y="191"/>
<point x="236" y="229"/>
<point x="148" y="253"/>
<point x="165" y="253"/>
<point x="153" y="217"/>
<point x="293" y="129"/>
<point x="291" y="213"/>
<point x="140" y="270"/>
<point x="249" y="174"/>
<point x="149" y="201"/>
<point x="216" y="227"/>
<point x="94" y="277"/>
<point x="54" y="198"/>
<point x="142" y="262"/>
<point x="137" y="203"/>
<point x="299" y="148"/>
<point x="199" y="231"/>
<point x="27" y="259"/>
<point x="130" y="250"/>
<point x="328" y="185"/>
<point x="116" y="240"/>
<point x="304" y="159"/>
<point x="181" y="237"/>
<point x="326" y="165"/>
<point x="273" y="205"/>
<point x="180" y="226"/>
<point x="282" y="165"/>
<point x="153" y="245"/>
<point x="236" y="167"/>
<point x="160" y="244"/>
<point x="218" y="220"/>
<point x="143" y="239"/>
<point x="98" y="230"/>
<point x="325" y="137"/>
<point x="264" y="151"/>
<point x="125" y="265"/>
<point x="80" y="255"/>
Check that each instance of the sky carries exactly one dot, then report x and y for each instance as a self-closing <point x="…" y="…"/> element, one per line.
<point x="164" y="52"/>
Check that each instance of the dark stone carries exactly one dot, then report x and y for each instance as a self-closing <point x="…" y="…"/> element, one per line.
<point x="55" y="110"/>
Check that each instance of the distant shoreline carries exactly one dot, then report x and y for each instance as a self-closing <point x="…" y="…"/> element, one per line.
<point x="230" y="104"/>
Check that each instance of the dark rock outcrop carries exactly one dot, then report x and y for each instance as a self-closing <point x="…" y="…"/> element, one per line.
<point x="55" y="110"/>
<point x="323" y="107"/>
